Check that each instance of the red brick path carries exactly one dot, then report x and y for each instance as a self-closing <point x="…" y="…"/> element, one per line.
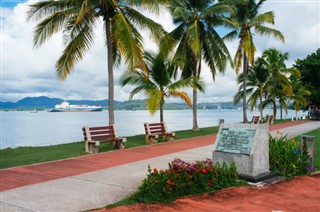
<point x="27" y="175"/>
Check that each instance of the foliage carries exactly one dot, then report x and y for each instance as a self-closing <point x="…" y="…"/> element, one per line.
<point x="257" y="78"/>
<point x="309" y="68"/>
<point x="287" y="158"/>
<point x="278" y="87"/>
<point x="182" y="178"/>
<point x="157" y="82"/>
<point x="246" y="21"/>
<point x="77" y="21"/>
<point x="195" y="39"/>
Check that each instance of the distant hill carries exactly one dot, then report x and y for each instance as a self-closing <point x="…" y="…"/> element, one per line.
<point x="43" y="102"/>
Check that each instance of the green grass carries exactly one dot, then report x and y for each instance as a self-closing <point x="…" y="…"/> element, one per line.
<point x="30" y="155"/>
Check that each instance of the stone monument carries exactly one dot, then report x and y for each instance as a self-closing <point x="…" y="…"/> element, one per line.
<point x="248" y="146"/>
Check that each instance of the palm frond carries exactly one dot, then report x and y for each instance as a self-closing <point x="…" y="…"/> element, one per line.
<point x="154" y="98"/>
<point x="194" y="39"/>
<point x="263" y="30"/>
<point x="157" y="31"/>
<point x="74" y="52"/>
<point x="127" y="40"/>
<point x="182" y="95"/>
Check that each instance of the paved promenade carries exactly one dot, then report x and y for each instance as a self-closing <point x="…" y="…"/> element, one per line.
<point x="94" y="181"/>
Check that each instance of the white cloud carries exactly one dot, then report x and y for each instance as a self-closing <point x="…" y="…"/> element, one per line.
<point x="26" y="71"/>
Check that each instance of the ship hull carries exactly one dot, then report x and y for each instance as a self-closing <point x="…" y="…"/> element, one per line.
<point x="76" y="110"/>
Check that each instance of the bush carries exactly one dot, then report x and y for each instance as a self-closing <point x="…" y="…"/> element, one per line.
<point x="287" y="158"/>
<point x="182" y="178"/>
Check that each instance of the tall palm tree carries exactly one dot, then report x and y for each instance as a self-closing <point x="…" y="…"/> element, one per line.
<point x="157" y="82"/>
<point x="278" y="85"/>
<point x="245" y="22"/>
<point x="256" y="84"/>
<point x="196" y="39"/>
<point x="77" y="20"/>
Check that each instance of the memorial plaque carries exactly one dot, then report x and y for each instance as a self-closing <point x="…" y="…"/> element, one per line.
<point x="246" y="145"/>
<point x="235" y="140"/>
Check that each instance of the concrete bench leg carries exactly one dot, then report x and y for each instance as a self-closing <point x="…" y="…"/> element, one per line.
<point x="118" y="145"/>
<point x="150" y="140"/>
<point x="93" y="148"/>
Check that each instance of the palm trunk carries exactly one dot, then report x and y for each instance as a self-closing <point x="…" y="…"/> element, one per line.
<point x="194" y="110"/>
<point x="274" y="109"/>
<point x="161" y="109"/>
<point x="245" y="72"/>
<point x="161" y="112"/>
<point x="280" y="112"/>
<point x="110" y="70"/>
<point x="261" y="110"/>
<point x="195" y="127"/>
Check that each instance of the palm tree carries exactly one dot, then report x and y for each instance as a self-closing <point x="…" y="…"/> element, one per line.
<point x="278" y="85"/>
<point x="157" y="82"/>
<point x="77" y="20"/>
<point x="196" y="39"/>
<point x="257" y="77"/>
<point x="246" y="20"/>
<point x="300" y="94"/>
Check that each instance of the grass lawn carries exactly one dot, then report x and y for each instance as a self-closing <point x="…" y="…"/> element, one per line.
<point x="31" y="155"/>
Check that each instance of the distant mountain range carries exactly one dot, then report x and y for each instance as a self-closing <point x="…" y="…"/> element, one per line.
<point x="43" y="102"/>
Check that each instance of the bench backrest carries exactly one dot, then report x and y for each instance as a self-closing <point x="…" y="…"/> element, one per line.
<point x="255" y="119"/>
<point x="155" y="128"/>
<point x="101" y="133"/>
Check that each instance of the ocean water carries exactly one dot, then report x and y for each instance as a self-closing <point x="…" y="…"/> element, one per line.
<point x="23" y="128"/>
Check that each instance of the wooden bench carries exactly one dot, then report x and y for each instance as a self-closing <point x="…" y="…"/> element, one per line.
<point x="93" y="136"/>
<point x="255" y="120"/>
<point x="270" y="119"/>
<point x="154" y="130"/>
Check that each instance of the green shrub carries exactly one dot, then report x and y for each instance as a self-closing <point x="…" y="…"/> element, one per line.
<point x="287" y="158"/>
<point x="182" y="178"/>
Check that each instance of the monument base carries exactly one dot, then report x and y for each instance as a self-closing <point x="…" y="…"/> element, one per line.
<point x="259" y="177"/>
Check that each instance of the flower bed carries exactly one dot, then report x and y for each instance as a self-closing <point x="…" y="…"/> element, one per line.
<point x="182" y="178"/>
<point x="287" y="158"/>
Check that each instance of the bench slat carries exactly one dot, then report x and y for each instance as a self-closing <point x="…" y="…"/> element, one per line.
<point x="102" y="134"/>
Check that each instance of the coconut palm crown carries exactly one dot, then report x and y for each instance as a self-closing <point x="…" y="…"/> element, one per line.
<point x="195" y="39"/>
<point x="157" y="82"/>
<point x="77" y="19"/>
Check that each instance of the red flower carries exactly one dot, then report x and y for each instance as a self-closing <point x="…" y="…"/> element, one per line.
<point x="155" y="171"/>
<point x="170" y="182"/>
<point x="203" y="171"/>
<point x="209" y="183"/>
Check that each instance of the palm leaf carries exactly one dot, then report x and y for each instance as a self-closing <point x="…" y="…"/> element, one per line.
<point x="74" y="52"/>
<point x="154" y="98"/>
<point x="182" y="95"/>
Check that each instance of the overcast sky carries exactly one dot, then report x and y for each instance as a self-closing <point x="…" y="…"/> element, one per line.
<point x="26" y="71"/>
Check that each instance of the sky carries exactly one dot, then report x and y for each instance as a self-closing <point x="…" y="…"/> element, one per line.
<point x="30" y="72"/>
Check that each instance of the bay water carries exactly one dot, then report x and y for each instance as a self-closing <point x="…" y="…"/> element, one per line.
<point x="23" y="128"/>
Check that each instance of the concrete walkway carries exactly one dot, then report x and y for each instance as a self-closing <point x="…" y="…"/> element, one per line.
<point x="94" y="181"/>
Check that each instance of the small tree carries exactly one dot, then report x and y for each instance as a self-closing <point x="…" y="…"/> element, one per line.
<point x="157" y="82"/>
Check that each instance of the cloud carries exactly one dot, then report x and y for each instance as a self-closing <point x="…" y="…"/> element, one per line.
<point x="26" y="71"/>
